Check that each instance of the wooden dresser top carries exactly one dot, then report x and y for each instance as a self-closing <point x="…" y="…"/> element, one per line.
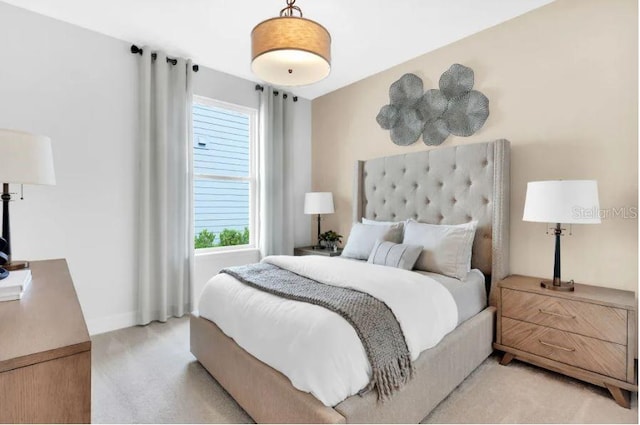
<point x="47" y="323"/>
<point x="587" y="293"/>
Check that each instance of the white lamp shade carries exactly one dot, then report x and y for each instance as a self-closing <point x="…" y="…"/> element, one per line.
<point x="318" y="203"/>
<point x="25" y="158"/>
<point x="562" y="201"/>
<point x="307" y="68"/>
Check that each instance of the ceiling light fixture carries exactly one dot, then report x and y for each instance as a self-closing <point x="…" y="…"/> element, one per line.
<point x="290" y="50"/>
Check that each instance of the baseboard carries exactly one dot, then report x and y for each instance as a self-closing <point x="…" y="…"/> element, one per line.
<point x="111" y="323"/>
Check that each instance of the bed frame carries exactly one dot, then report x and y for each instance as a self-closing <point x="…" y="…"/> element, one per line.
<point x="445" y="185"/>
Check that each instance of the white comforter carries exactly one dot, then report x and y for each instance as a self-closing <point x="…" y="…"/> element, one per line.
<point x="318" y="350"/>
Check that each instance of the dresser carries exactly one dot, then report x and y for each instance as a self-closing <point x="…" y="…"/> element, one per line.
<point x="309" y="250"/>
<point x="45" y="351"/>
<point x="589" y="334"/>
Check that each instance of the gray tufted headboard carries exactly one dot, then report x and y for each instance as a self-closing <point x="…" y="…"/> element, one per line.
<point x="451" y="185"/>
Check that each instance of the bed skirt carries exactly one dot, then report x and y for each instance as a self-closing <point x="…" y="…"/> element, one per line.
<point x="268" y="396"/>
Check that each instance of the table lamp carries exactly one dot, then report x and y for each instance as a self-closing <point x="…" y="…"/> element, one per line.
<point x="318" y="203"/>
<point x="24" y="159"/>
<point x="561" y="202"/>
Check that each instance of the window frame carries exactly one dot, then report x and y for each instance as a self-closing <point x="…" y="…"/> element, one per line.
<point x="252" y="179"/>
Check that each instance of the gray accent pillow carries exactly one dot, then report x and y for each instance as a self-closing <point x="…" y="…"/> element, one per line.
<point x="364" y="236"/>
<point x="395" y="255"/>
<point x="446" y="248"/>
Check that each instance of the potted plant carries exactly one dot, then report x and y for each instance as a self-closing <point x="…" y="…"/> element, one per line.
<point x="331" y="239"/>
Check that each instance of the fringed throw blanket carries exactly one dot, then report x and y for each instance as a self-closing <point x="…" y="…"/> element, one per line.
<point x="372" y="319"/>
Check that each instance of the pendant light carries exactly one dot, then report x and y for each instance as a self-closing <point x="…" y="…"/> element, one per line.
<point x="290" y="50"/>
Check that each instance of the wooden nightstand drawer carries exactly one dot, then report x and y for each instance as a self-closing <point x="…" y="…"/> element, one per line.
<point x="587" y="353"/>
<point x="592" y="320"/>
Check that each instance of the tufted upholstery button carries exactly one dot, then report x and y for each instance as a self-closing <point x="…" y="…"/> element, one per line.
<point x="393" y="186"/>
<point x="374" y="188"/>
<point x="427" y="169"/>
<point x="405" y="202"/>
<point x="469" y="182"/>
<point x="415" y="216"/>
<point x="485" y="163"/>
<point x="393" y="215"/>
<point x="485" y="200"/>
<point x="384" y="173"/>
<point x="441" y="184"/>
<point x="454" y="167"/>
<point x="375" y="215"/>
<point x="415" y="185"/>
<point x="384" y="201"/>
<point x="440" y="218"/>
<point x="468" y="218"/>
<point x="454" y="200"/>
<point x="427" y="201"/>
<point x="404" y="171"/>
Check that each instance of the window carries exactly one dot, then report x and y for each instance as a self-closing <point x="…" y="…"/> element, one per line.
<point x="224" y="174"/>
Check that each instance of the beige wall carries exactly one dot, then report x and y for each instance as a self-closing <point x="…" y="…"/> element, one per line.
<point x="562" y="82"/>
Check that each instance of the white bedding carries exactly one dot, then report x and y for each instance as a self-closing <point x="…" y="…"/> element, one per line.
<point x="318" y="350"/>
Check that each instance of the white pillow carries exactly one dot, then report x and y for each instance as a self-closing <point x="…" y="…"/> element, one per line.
<point x="380" y="223"/>
<point x="446" y="248"/>
<point x="364" y="236"/>
<point x="384" y="223"/>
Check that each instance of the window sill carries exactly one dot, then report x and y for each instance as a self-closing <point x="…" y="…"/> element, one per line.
<point x="222" y="251"/>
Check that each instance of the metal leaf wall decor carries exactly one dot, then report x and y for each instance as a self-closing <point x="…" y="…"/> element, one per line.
<point x="454" y="109"/>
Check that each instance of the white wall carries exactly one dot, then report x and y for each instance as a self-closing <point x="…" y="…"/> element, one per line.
<point x="79" y="88"/>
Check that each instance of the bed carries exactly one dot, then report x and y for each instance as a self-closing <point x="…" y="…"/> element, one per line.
<point x="441" y="186"/>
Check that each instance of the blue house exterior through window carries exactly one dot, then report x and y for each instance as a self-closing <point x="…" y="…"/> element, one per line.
<point x="224" y="175"/>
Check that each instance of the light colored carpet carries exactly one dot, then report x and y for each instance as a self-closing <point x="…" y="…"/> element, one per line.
<point x="147" y="375"/>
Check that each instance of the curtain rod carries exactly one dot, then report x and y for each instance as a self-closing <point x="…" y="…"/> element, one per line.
<point x="276" y="92"/>
<point x="137" y="50"/>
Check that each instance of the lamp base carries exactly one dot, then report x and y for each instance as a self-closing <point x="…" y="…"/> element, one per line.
<point x="558" y="285"/>
<point x="16" y="265"/>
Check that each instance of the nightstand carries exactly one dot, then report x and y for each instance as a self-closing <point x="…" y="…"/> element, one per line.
<point x="589" y="334"/>
<point x="308" y="250"/>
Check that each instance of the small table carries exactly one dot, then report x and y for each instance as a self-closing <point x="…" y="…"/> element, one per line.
<point x="309" y="250"/>
<point x="589" y="334"/>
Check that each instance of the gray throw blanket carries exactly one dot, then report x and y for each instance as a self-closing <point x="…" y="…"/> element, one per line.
<point x="372" y="319"/>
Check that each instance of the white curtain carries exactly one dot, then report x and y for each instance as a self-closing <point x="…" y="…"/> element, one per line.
<point x="276" y="199"/>
<point x="165" y="196"/>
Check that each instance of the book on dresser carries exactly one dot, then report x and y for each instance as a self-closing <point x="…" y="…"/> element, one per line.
<point x="13" y="286"/>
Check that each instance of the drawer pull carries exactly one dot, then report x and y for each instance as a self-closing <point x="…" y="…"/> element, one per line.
<point x="553" y="313"/>
<point x="556" y="346"/>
